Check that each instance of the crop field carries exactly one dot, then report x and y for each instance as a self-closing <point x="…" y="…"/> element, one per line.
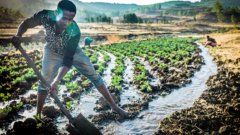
<point x="158" y="66"/>
<point x="173" y="66"/>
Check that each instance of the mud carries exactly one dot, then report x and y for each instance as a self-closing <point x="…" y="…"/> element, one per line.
<point x="215" y="112"/>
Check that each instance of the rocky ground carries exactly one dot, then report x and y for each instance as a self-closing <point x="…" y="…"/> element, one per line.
<point x="217" y="110"/>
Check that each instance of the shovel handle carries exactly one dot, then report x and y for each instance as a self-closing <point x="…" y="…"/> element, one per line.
<point x="46" y="84"/>
<point x="80" y="123"/>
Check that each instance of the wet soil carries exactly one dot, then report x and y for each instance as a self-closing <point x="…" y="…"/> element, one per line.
<point x="217" y="110"/>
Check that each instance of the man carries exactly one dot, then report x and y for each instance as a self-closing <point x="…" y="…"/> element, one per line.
<point x="87" y="41"/>
<point x="210" y="41"/>
<point x="62" y="51"/>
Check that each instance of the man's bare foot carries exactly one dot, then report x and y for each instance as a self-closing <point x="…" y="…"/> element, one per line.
<point x="121" y="112"/>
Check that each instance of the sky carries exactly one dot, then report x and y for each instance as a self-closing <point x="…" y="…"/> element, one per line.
<point x="139" y="2"/>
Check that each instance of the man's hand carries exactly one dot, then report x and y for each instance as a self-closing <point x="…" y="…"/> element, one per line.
<point x="53" y="88"/>
<point x="16" y="40"/>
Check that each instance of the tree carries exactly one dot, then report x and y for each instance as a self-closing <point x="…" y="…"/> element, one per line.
<point x="217" y="7"/>
<point x="194" y="18"/>
<point x="221" y="17"/>
<point x="130" y="18"/>
<point x="233" y="19"/>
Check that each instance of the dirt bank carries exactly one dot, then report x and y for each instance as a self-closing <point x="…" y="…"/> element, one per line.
<point x="217" y="110"/>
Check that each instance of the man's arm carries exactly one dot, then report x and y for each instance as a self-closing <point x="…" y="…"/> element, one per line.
<point x="62" y="72"/>
<point x="31" y="22"/>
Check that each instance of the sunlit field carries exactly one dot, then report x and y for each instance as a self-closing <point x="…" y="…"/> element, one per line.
<point x="156" y="67"/>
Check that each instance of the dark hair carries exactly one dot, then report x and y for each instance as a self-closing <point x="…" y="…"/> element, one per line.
<point x="66" y="5"/>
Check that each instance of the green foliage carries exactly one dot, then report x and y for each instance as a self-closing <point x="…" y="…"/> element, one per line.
<point x="217" y="7"/>
<point x="30" y="75"/>
<point x="69" y="105"/>
<point x="67" y="77"/>
<point x="116" y="82"/>
<point x="4" y="97"/>
<point x="11" y="15"/>
<point x="131" y="18"/>
<point x="39" y="125"/>
<point x="19" y="80"/>
<point x="162" y="65"/>
<point x="99" y="18"/>
<point x="94" y="57"/>
<point x="11" y="108"/>
<point x="35" y="86"/>
<point x="85" y="83"/>
<point x="220" y="17"/>
<point x="161" y="53"/>
<point x="106" y="57"/>
<point x="146" y="87"/>
<point x="150" y="8"/>
<point x="73" y="87"/>
<point x="233" y="19"/>
<point x="17" y="75"/>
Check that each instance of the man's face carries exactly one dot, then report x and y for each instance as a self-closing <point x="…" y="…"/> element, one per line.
<point x="64" y="18"/>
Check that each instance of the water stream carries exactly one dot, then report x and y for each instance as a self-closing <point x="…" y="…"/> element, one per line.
<point x="129" y="92"/>
<point x="147" y="121"/>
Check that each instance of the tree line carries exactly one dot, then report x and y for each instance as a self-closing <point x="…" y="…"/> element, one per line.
<point x="230" y="14"/>
<point x="9" y="15"/>
<point x="127" y="18"/>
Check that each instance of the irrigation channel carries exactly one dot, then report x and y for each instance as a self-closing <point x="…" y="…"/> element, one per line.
<point x="147" y="121"/>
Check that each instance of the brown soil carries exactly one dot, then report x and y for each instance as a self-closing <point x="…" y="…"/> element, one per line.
<point x="217" y="110"/>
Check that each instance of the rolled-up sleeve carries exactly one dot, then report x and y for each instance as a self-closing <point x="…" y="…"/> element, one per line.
<point x="31" y="22"/>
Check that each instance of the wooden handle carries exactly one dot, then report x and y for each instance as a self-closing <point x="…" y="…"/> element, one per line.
<point x="45" y="83"/>
<point x="80" y="123"/>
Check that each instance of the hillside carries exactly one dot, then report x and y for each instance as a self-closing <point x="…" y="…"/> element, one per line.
<point x="94" y="9"/>
<point x="29" y="7"/>
<point x="225" y="3"/>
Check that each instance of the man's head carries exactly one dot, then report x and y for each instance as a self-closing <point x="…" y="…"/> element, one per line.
<point x="66" y="11"/>
<point x="207" y="37"/>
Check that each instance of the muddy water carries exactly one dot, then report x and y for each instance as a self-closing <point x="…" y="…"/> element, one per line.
<point x="155" y="81"/>
<point x="86" y="103"/>
<point x="147" y="121"/>
<point x="129" y="92"/>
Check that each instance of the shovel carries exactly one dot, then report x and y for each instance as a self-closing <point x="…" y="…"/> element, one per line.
<point x="80" y="123"/>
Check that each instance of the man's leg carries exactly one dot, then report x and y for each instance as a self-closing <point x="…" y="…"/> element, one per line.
<point x="50" y="65"/>
<point x="105" y="92"/>
<point x="83" y="64"/>
<point x="214" y="44"/>
<point x="40" y="101"/>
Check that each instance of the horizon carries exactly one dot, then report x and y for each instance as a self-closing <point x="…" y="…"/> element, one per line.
<point x="138" y="2"/>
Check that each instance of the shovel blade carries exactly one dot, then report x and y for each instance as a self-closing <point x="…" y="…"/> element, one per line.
<point x="84" y="127"/>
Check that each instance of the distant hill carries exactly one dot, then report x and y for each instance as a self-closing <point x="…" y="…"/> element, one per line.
<point x="187" y="8"/>
<point x="106" y="7"/>
<point x="93" y="9"/>
<point x="225" y="3"/>
<point x="202" y="3"/>
<point x="176" y="4"/>
<point x="29" y="7"/>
